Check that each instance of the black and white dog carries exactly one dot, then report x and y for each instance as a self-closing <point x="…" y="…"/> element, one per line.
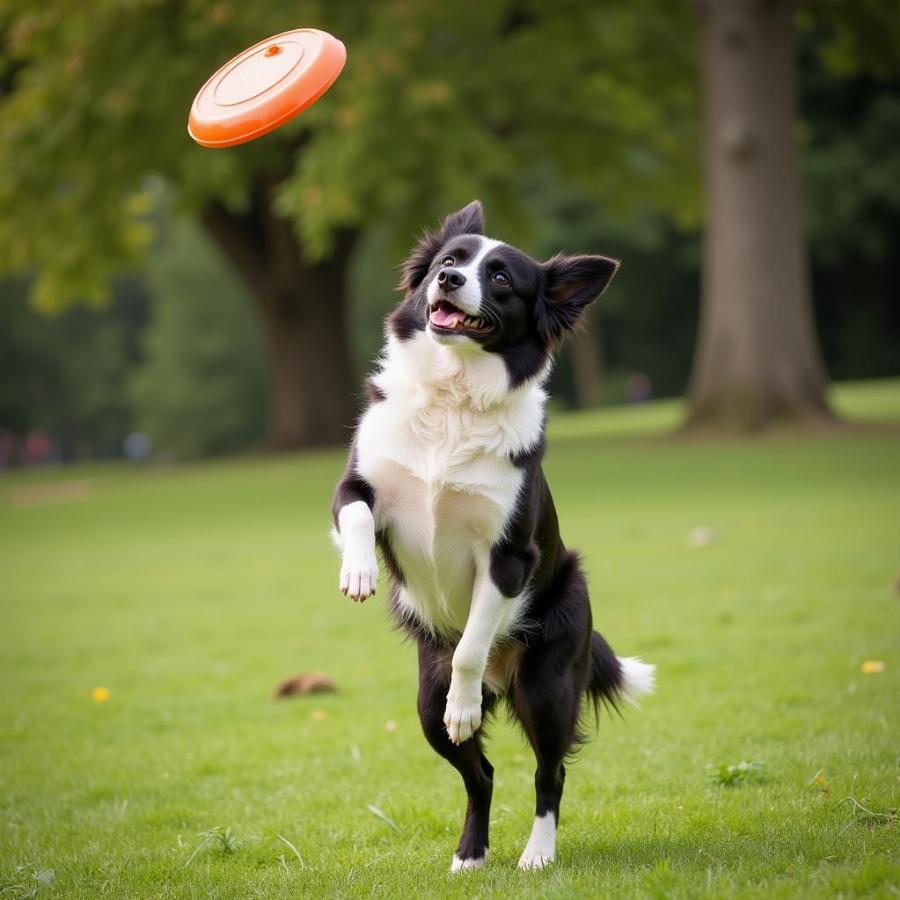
<point x="445" y="476"/>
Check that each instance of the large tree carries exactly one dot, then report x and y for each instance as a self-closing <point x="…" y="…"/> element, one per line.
<point x="757" y="360"/>
<point x="438" y="103"/>
<point x="757" y="357"/>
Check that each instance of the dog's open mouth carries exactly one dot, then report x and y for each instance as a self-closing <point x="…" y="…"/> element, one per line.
<point x="444" y="316"/>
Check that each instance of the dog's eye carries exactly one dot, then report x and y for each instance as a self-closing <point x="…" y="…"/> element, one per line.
<point x="448" y="261"/>
<point x="501" y="278"/>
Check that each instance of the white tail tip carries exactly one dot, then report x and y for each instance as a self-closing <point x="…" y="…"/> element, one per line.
<point x="638" y="679"/>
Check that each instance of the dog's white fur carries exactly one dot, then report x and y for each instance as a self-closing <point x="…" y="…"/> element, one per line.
<point x="458" y="864"/>
<point x="468" y="297"/>
<point x="540" y="850"/>
<point x="437" y="452"/>
<point x="638" y="679"/>
<point x="356" y="538"/>
<point x="490" y="615"/>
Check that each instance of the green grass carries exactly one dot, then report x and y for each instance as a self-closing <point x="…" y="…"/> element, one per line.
<point x="190" y="592"/>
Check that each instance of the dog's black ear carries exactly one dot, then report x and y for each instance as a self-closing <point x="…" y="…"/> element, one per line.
<point x="416" y="267"/>
<point x="570" y="284"/>
<point x="468" y="220"/>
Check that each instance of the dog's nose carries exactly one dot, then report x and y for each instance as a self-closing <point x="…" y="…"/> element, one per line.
<point x="450" y="279"/>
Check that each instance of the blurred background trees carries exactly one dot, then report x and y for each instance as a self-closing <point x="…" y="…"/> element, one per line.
<point x="200" y="389"/>
<point x="577" y="124"/>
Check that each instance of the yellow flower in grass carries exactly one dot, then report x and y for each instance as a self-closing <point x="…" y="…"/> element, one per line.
<point x="873" y="667"/>
<point x="100" y="694"/>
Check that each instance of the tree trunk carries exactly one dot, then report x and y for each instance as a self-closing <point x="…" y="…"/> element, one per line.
<point x="311" y="381"/>
<point x="302" y="306"/>
<point x="584" y="349"/>
<point x="757" y="359"/>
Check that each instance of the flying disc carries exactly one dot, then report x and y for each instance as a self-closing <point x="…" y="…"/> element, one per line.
<point x="265" y="86"/>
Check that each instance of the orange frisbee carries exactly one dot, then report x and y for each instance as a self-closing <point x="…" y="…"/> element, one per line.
<point x="265" y="86"/>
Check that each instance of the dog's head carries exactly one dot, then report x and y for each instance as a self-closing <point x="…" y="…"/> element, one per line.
<point x="473" y="293"/>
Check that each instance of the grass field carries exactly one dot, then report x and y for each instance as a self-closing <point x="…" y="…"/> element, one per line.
<point x="188" y="593"/>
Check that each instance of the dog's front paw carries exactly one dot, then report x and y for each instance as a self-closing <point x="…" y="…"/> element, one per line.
<point x="462" y="716"/>
<point x="359" y="574"/>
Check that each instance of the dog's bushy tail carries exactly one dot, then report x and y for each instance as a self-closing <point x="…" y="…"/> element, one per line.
<point x="614" y="679"/>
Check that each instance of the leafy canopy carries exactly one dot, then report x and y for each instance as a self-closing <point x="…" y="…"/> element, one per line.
<point x="438" y="103"/>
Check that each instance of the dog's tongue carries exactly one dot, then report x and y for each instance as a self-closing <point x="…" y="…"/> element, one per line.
<point x="447" y="316"/>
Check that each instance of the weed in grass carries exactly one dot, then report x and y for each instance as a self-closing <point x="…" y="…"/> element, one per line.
<point x="379" y="814"/>
<point x="294" y="850"/>
<point x="729" y="776"/>
<point x="225" y="838"/>
<point x="866" y="816"/>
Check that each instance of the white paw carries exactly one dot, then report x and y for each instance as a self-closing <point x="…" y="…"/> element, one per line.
<point x="460" y="865"/>
<point x="462" y="716"/>
<point x="540" y="850"/>
<point x="534" y="860"/>
<point x="359" y="574"/>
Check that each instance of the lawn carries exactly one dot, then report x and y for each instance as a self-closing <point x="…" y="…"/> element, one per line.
<point x="189" y="592"/>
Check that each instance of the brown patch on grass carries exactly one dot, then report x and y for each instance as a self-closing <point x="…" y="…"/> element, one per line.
<point x="307" y="683"/>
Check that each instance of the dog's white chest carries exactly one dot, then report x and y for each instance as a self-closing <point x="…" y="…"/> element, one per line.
<point x="444" y="492"/>
<point x="438" y="452"/>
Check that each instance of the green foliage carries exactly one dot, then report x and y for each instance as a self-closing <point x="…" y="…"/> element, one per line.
<point x="446" y="102"/>
<point x="647" y="322"/>
<point x="191" y="592"/>
<point x="201" y="387"/>
<point x="859" y="38"/>
<point x="853" y="180"/>
<point x="68" y="374"/>
<point x="438" y="103"/>
<point x="192" y="377"/>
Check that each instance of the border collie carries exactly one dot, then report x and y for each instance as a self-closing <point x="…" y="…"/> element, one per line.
<point x="444" y="476"/>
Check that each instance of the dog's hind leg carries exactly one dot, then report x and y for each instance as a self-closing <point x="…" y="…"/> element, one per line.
<point x="546" y="697"/>
<point x="467" y="758"/>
